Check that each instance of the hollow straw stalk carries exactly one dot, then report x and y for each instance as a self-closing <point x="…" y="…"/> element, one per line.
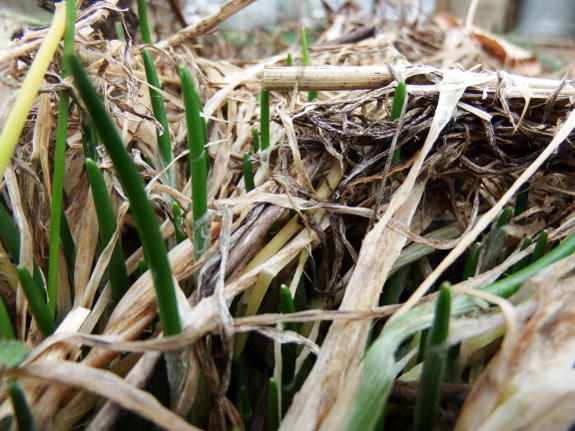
<point x="144" y="216"/>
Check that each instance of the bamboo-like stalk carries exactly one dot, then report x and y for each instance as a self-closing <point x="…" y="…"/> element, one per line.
<point x="325" y="78"/>
<point x="340" y="78"/>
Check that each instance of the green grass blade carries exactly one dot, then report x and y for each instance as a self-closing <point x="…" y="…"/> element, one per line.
<point x="59" y="160"/>
<point x="90" y="141"/>
<point x="142" y="265"/>
<point x="472" y="260"/>
<point x="395" y="285"/>
<point x="288" y="350"/>
<point x="264" y="120"/>
<point x="539" y="247"/>
<point x="10" y="236"/>
<point x="378" y="363"/>
<point x="178" y="223"/>
<point x="398" y="100"/>
<point x="248" y="173"/>
<point x="198" y="164"/>
<point x="255" y="140"/>
<point x="245" y="407"/>
<point x="311" y="95"/>
<point x="396" y="109"/>
<point x="144" y="215"/>
<point x="144" y="26"/>
<point x="289" y="61"/>
<point x="273" y="406"/>
<point x="525" y="261"/>
<point x="9" y="233"/>
<point x="6" y="328"/>
<point x="496" y="240"/>
<point x="38" y="307"/>
<point x="521" y="203"/>
<point x="68" y="244"/>
<point x="159" y="109"/>
<point x="21" y="407"/>
<point x="427" y="404"/>
<point x="107" y="225"/>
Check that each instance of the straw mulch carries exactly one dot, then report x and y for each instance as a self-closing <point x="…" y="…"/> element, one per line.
<point x="331" y="165"/>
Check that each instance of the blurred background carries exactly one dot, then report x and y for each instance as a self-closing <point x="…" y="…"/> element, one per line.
<point x="547" y="32"/>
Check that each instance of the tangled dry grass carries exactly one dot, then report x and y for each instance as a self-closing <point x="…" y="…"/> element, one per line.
<point x="331" y="165"/>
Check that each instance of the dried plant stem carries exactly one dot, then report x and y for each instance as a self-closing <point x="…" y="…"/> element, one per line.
<point x="19" y="112"/>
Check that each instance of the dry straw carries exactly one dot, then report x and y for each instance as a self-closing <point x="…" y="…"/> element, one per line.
<point x="348" y="218"/>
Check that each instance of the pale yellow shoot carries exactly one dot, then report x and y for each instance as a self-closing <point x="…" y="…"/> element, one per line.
<point x="17" y="117"/>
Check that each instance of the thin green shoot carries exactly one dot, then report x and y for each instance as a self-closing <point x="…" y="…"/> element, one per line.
<point x="398" y="100"/>
<point x="289" y="61"/>
<point x="164" y="143"/>
<point x="10" y="236"/>
<point x="144" y="215"/>
<point x="90" y="141"/>
<point x="59" y="160"/>
<point x="458" y="185"/>
<point x="525" y="261"/>
<point x="142" y="265"/>
<point x="22" y="410"/>
<point x="38" y="306"/>
<point x="6" y="328"/>
<point x="288" y="350"/>
<point x="496" y="240"/>
<point x="68" y="245"/>
<point x="248" y="173"/>
<point x="273" y="405"/>
<point x="264" y="120"/>
<point x="395" y="285"/>
<point x="178" y="223"/>
<point x="311" y="95"/>
<point x="107" y="224"/>
<point x="198" y="164"/>
<point x="539" y="247"/>
<point x="472" y="260"/>
<point x="144" y="26"/>
<point x="521" y="203"/>
<point x="427" y="404"/>
<point x="396" y="110"/>
<point x="245" y="407"/>
<point x="255" y="140"/>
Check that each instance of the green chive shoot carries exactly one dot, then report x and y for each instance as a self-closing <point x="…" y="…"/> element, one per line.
<point x="144" y="215"/>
